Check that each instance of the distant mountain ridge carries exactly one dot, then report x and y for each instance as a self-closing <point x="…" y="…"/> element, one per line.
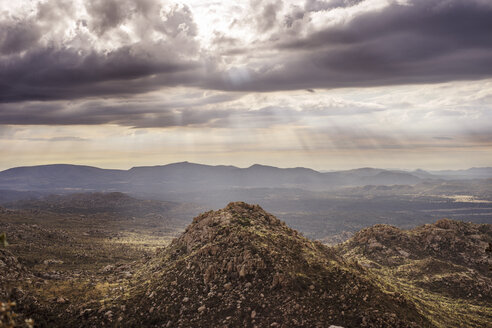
<point x="471" y="173"/>
<point x="179" y="175"/>
<point x="190" y="177"/>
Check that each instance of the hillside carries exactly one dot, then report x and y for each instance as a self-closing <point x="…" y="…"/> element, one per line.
<point x="57" y="176"/>
<point x="241" y="266"/>
<point x="443" y="268"/>
<point x="91" y="203"/>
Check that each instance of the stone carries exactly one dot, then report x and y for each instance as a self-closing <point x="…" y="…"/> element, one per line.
<point x="61" y="300"/>
<point x="242" y="272"/>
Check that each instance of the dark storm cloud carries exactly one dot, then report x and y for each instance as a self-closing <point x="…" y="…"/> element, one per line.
<point x="132" y="115"/>
<point x="219" y="111"/>
<point x="424" y="41"/>
<point x="61" y="69"/>
<point x="51" y="73"/>
<point x="87" y="113"/>
<point x="17" y="36"/>
<point x="139" y="113"/>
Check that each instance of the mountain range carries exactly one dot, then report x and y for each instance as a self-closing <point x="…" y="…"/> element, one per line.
<point x="190" y="177"/>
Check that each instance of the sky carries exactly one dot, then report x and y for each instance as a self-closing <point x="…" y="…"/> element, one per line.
<point x="334" y="84"/>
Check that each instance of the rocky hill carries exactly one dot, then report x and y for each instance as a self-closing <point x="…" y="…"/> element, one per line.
<point x="444" y="268"/>
<point x="242" y="267"/>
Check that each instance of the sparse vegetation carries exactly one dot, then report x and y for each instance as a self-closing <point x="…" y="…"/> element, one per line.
<point x="3" y="240"/>
<point x="441" y="268"/>
<point x="237" y="266"/>
<point x="261" y="273"/>
<point x="8" y="318"/>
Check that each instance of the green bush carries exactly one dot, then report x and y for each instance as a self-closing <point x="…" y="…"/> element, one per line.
<point x="3" y="240"/>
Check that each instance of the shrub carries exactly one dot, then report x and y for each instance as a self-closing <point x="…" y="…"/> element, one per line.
<point x="3" y="240"/>
<point x="7" y="317"/>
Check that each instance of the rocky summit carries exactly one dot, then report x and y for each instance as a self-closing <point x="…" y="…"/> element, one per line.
<point x="243" y="267"/>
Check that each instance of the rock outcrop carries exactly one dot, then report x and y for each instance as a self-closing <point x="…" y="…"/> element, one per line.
<point x="445" y="267"/>
<point x="242" y="267"/>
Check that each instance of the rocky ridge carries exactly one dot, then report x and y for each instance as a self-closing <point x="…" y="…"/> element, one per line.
<point x="457" y="242"/>
<point x="447" y="262"/>
<point x="242" y="267"/>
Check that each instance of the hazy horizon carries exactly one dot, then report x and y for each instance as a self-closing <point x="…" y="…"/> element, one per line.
<point x="252" y="164"/>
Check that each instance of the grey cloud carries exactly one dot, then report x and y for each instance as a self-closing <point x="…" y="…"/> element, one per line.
<point x="461" y="24"/>
<point x="310" y="6"/>
<point x="139" y="113"/>
<point x="179" y="19"/>
<point x="426" y="41"/>
<point x="268" y="18"/>
<point x="51" y="73"/>
<point x="68" y="139"/>
<point x="107" y="14"/>
<point x="49" y="12"/>
<point x="220" y="40"/>
<point x="219" y="110"/>
<point x="59" y="70"/>
<point x="17" y="36"/>
<point x="317" y="5"/>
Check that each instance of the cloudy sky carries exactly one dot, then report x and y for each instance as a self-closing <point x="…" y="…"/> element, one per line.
<point x="333" y="84"/>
